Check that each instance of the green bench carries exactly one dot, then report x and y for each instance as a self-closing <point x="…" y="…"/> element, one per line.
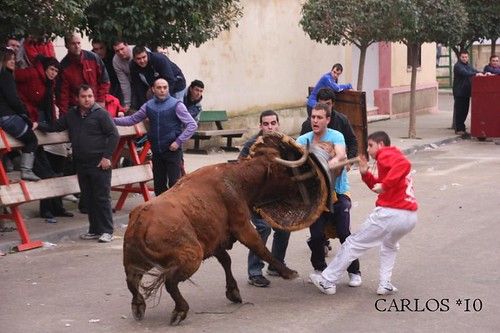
<point x="217" y="117"/>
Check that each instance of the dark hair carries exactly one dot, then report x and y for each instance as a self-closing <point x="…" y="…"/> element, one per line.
<point x="268" y="113"/>
<point x="5" y="55"/>
<point x="380" y="136"/>
<point x="325" y="94"/>
<point x="50" y="61"/>
<point x="493" y="56"/>
<point x="82" y="87"/>
<point x="119" y="40"/>
<point x="324" y="107"/>
<point x="338" y="66"/>
<point x="464" y="52"/>
<point x="138" y="50"/>
<point x="197" y="83"/>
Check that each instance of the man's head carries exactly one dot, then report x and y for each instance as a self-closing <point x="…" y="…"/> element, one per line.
<point x="140" y="56"/>
<point x="85" y="97"/>
<point x="269" y="122"/>
<point x="377" y="140"/>
<point x="337" y="70"/>
<point x="464" y="57"/>
<point x="51" y="67"/>
<point x="196" y="90"/>
<point x="99" y="48"/>
<point x="494" y="61"/>
<point x="121" y="49"/>
<point x="73" y="44"/>
<point x="326" y="96"/>
<point x="13" y="44"/>
<point x="160" y="88"/>
<point x="320" y="117"/>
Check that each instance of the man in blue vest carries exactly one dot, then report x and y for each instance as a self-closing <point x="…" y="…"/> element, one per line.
<point x="170" y="125"/>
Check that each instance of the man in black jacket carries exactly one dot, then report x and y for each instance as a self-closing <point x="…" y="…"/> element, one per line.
<point x="94" y="138"/>
<point x="462" y="85"/>
<point x="146" y="67"/>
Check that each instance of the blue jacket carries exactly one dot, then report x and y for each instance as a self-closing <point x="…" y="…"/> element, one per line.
<point x="164" y="125"/>
<point x="326" y="81"/>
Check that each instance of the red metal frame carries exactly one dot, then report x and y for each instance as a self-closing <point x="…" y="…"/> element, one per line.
<point x="136" y="160"/>
<point x="15" y="213"/>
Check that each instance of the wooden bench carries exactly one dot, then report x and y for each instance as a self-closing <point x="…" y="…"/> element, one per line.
<point x="217" y="117"/>
<point x="12" y="195"/>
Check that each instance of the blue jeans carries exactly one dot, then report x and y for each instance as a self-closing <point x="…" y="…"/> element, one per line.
<point x="280" y="244"/>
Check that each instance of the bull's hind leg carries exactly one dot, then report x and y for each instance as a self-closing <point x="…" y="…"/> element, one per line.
<point x="232" y="291"/>
<point x="188" y="260"/>
<point x="181" y="305"/>
<point x="134" y="279"/>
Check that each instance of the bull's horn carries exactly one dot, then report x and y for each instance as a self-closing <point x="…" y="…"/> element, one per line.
<point x="297" y="163"/>
<point x="344" y="163"/>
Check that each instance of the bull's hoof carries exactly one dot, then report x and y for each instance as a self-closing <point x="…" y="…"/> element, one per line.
<point x="234" y="295"/>
<point x="290" y="274"/>
<point x="138" y="310"/>
<point x="177" y="317"/>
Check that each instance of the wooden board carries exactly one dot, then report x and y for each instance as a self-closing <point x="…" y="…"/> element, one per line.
<point x="221" y="132"/>
<point x="55" y="187"/>
<point x="63" y="137"/>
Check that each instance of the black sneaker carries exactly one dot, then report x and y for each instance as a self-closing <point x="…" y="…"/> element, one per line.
<point x="272" y="272"/>
<point x="258" y="281"/>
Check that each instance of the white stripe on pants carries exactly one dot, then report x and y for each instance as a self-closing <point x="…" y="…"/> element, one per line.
<point x="384" y="227"/>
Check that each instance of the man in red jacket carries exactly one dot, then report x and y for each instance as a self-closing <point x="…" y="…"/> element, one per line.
<point x="394" y="216"/>
<point x="80" y="67"/>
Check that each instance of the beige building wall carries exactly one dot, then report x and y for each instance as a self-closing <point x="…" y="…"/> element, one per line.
<point x="401" y="73"/>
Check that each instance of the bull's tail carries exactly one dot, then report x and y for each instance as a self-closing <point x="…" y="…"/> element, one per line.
<point x="159" y="276"/>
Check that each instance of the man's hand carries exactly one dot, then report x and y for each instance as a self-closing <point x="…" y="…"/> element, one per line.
<point x="377" y="188"/>
<point x="105" y="164"/>
<point x="174" y="146"/>
<point x="363" y="164"/>
<point x="35" y="126"/>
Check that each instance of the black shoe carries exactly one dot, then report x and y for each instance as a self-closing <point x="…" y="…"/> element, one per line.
<point x="65" y="214"/>
<point x="47" y="215"/>
<point x="83" y="211"/>
<point x="258" y="281"/>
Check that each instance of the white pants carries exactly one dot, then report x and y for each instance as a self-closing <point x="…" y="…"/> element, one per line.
<point x="384" y="227"/>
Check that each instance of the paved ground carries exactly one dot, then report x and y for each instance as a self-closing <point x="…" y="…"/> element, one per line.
<point x="446" y="272"/>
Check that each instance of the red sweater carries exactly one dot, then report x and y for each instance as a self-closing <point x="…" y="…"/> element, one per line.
<point x="394" y="175"/>
<point x="88" y="69"/>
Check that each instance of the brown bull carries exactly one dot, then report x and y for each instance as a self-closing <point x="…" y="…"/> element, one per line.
<point x="200" y="217"/>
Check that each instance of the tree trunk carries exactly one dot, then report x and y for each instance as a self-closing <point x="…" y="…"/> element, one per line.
<point x="412" y="133"/>
<point x="361" y="68"/>
<point x="493" y="45"/>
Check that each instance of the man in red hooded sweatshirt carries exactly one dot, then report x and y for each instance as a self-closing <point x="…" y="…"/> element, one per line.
<point x="394" y="216"/>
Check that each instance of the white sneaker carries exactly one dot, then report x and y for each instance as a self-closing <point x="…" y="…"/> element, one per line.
<point x="105" y="238"/>
<point x="70" y="197"/>
<point x="386" y="288"/>
<point x="355" y="280"/>
<point x="323" y="285"/>
<point x="315" y="272"/>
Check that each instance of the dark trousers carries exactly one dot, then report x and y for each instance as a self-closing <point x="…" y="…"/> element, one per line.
<point x="341" y="218"/>
<point x="166" y="170"/>
<point x="461" y="109"/>
<point x="95" y="186"/>
<point x="44" y="169"/>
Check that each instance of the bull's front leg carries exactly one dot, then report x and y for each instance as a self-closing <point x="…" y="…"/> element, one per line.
<point x="232" y="291"/>
<point x="248" y="236"/>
